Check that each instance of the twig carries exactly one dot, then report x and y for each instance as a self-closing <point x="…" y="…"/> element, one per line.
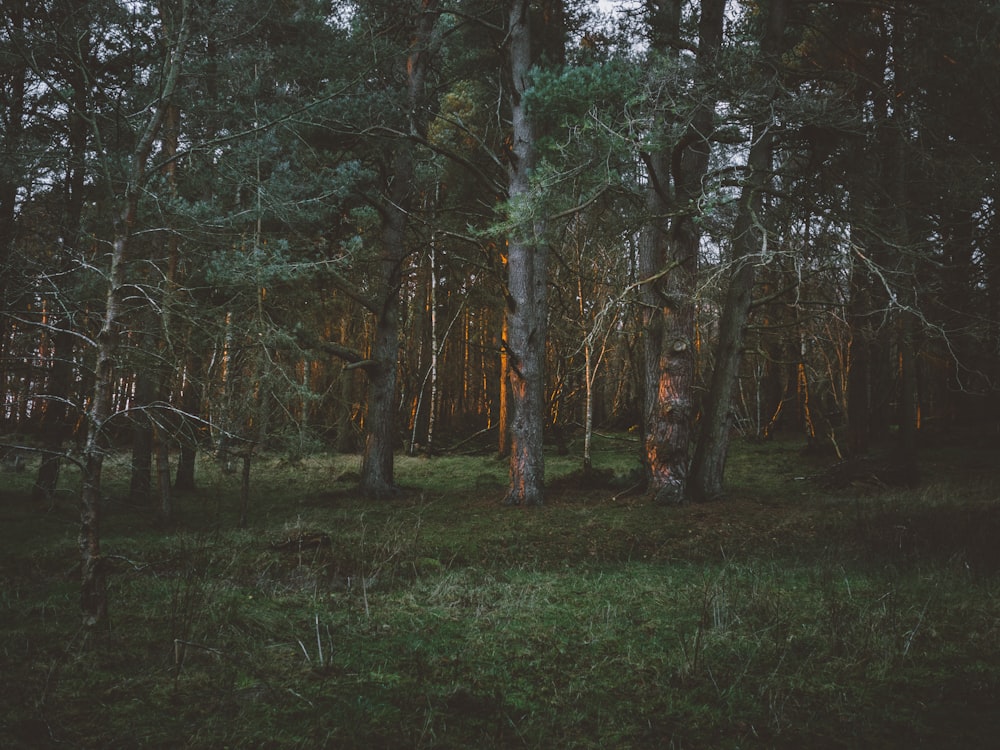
<point x="913" y="633"/>
<point x="319" y="642"/>
<point x="628" y="491"/>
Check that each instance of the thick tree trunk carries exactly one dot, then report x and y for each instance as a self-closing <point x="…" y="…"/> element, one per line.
<point x="12" y="121"/>
<point x="527" y="279"/>
<point x="668" y="347"/>
<point x="668" y="260"/>
<point x="377" y="464"/>
<point x="526" y="374"/>
<point x="709" y="461"/>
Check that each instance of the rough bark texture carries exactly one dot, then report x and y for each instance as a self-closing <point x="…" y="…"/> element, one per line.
<point x="668" y="328"/>
<point x="527" y="278"/>
<point x="377" y="464"/>
<point x="503" y="407"/>
<point x="668" y="258"/>
<point x="708" y="464"/>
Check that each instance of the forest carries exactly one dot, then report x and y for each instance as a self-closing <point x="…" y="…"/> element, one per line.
<point x="238" y="237"/>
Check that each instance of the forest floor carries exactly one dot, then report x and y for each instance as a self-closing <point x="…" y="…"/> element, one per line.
<point x="817" y="606"/>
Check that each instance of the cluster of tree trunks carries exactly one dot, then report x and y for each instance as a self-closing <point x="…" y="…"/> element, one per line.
<point x="426" y="222"/>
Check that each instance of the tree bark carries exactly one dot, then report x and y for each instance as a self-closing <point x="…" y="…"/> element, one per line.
<point x="12" y="123"/>
<point x="668" y="259"/>
<point x="708" y="464"/>
<point x="527" y="279"/>
<point x="162" y="450"/>
<point x="55" y="420"/>
<point x="377" y="467"/>
<point x="668" y="345"/>
<point x="93" y="575"/>
<point x="140" y="482"/>
<point x="503" y="401"/>
<point x="191" y="406"/>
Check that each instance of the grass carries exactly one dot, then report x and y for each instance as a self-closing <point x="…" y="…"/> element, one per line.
<point x="786" y="616"/>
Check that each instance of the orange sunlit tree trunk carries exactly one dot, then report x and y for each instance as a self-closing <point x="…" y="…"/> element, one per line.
<point x="668" y="259"/>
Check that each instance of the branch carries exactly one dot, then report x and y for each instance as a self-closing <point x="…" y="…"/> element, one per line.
<point x="582" y="206"/>
<point x="353" y="357"/>
<point x="344" y="285"/>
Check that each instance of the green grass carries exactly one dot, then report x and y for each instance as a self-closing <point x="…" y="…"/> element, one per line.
<point x="786" y="616"/>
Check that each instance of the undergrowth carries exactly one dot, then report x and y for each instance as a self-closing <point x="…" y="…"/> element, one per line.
<point x="785" y="616"/>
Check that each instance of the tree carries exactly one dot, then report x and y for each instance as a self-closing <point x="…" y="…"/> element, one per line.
<point x="668" y="256"/>
<point x="749" y="236"/>
<point x="533" y="30"/>
<point x="93" y="570"/>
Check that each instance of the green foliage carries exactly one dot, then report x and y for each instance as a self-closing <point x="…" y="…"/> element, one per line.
<point x="565" y="96"/>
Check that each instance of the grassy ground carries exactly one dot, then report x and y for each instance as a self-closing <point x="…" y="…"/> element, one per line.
<point x="787" y="616"/>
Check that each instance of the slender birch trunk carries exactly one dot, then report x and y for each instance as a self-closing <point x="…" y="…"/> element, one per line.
<point x="93" y="574"/>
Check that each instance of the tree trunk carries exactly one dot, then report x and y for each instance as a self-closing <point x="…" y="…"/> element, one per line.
<point x="432" y="302"/>
<point x="140" y="483"/>
<point x="908" y="413"/>
<point x="709" y="461"/>
<point x="163" y="474"/>
<point x="667" y="326"/>
<point x="503" y="406"/>
<point x="588" y="372"/>
<point x="246" y="456"/>
<point x="527" y="279"/>
<point x="55" y="425"/>
<point x="93" y="573"/>
<point x="191" y="406"/>
<point x="377" y="464"/>
<point x="12" y="121"/>
<point x="668" y="261"/>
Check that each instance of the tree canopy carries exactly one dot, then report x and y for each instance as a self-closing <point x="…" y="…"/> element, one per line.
<point x="368" y="226"/>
